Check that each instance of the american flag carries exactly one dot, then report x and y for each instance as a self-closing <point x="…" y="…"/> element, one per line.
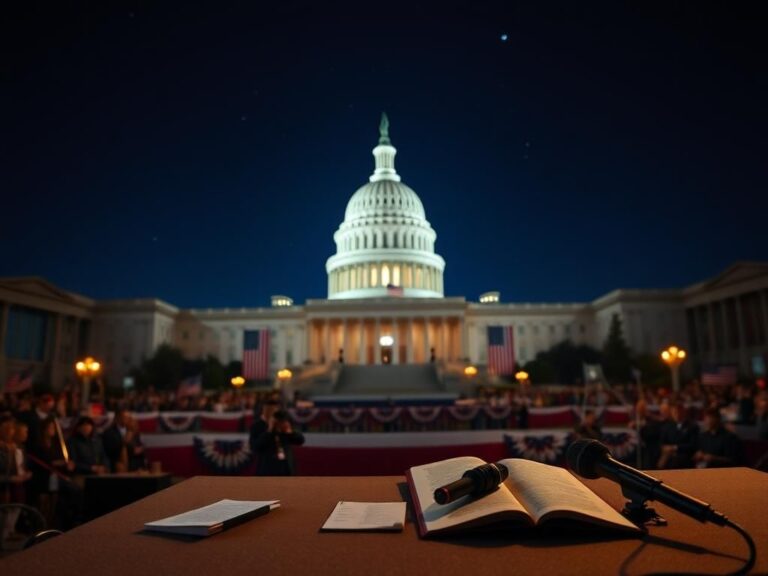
<point x="719" y="375"/>
<point x="256" y="354"/>
<point x="19" y="382"/>
<point x="393" y="290"/>
<point x="190" y="387"/>
<point x="501" y="350"/>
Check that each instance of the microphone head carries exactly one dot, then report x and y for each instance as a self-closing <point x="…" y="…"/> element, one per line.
<point x="583" y="456"/>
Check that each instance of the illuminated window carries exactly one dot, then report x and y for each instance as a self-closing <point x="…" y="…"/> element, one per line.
<point x="374" y="276"/>
<point x="396" y="275"/>
<point x="384" y="275"/>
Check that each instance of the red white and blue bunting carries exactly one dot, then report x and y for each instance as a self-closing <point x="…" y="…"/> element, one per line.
<point x="386" y="415"/>
<point x="176" y="422"/>
<point x="346" y="416"/>
<point x="464" y="413"/>
<point x="551" y="448"/>
<point x="548" y="448"/>
<point x="425" y="414"/>
<point x="223" y="456"/>
<point x="303" y="415"/>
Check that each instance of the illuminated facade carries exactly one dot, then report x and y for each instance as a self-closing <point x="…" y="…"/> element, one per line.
<point x="385" y="305"/>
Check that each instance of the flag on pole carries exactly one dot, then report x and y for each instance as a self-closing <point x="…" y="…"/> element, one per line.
<point x="393" y="290"/>
<point x="192" y="386"/>
<point x="719" y="375"/>
<point x="501" y="350"/>
<point x="19" y="382"/>
<point x="256" y="354"/>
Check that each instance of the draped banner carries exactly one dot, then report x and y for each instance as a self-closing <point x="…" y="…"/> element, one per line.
<point x="425" y="414"/>
<point x="551" y="448"/>
<point x="178" y="422"/>
<point x="385" y="415"/>
<point x="377" y="418"/>
<point x="464" y="413"/>
<point x="223" y="456"/>
<point x="498" y="412"/>
<point x="346" y="416"/>
<point x="303" y="415"/>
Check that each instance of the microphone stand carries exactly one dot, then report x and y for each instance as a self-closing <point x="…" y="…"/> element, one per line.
<point x="637" y="511"/>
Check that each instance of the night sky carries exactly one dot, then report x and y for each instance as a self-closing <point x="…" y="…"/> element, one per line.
<point x="205" y="155"/>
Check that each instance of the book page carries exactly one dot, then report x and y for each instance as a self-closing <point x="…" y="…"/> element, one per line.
<point x="545" y="489"/>
<point x="429" y="477"/>
<point x="367" y="516"/>
<point x="213" y="514"/>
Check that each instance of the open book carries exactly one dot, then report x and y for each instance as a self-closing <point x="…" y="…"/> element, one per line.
<point x="212" y="518"/>
<point x="533" y="494"/>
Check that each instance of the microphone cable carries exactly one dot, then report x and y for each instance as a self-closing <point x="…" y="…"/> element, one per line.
<point x="752" y="550"/>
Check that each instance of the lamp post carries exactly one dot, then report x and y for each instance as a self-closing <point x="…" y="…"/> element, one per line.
<point x="87" y="369"/>
<point x="470" y="371"/>
<point x="673" y="357"/>
<point x="522" y="377"/>
<point x="237" y="382"/>
<point x="284" y="378"/>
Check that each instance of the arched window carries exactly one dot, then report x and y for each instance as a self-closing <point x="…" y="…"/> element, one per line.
<point x="357" y="242"/>
<point x="386" y="244"/>
<point x="375" y="237"/>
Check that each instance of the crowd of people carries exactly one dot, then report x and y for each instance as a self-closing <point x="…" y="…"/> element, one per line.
<point x="42" y="467"/>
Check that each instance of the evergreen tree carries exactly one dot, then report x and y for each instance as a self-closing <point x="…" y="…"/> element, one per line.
<point x="617" y="358"/>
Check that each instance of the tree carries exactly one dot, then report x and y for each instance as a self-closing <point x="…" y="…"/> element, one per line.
<point x="617" y="357"/>
<point x="163" y="370"/>
<point x="214" y="374"/>
<point x="652" y="369"/>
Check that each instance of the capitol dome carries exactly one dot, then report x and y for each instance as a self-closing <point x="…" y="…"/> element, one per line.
<point x="385" y="246"/>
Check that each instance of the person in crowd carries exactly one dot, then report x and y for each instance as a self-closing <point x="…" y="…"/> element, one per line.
<point x="122" y="443"/>
<point x="717" y="447"/>
<point x="761" y="415"/>
<point x="49" y="469"/>
<point x="272" y="441"/>
<point x="589" y="428"/>
<point x="34" y="418"/>
<point x="679" y="437"/>
<point x="86" y="449"/>
<point x="12" y="476"/>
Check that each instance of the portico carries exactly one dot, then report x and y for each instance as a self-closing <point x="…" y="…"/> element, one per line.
<point x="421" y="331"/>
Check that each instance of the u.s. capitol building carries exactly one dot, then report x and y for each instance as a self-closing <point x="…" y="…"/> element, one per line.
<point x="386" y="304"/>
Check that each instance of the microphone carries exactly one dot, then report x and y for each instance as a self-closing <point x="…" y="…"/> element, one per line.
<point x="591" y="459"/>
<point x="477" y="481"/>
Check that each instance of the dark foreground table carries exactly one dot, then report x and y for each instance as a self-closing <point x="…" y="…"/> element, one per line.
<point x="288" y="541"/>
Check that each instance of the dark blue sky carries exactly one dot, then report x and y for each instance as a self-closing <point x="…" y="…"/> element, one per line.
<point x="205" y="155"/>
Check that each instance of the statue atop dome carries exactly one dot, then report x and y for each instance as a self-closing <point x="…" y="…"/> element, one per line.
<point x="384" y="129"/>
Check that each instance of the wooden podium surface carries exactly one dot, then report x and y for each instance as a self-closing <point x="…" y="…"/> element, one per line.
<point x="288" y="540"/>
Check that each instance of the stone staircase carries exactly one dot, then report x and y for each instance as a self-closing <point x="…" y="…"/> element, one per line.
<point x="388" y="380"/>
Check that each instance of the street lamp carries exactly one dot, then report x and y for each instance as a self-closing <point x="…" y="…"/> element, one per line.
<point x="87" y="369"/>
<point x="674" y="356"/>
<point x="521" y="377"/>
<point x="470" y="371"/>
<point x="238" y="382"/>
